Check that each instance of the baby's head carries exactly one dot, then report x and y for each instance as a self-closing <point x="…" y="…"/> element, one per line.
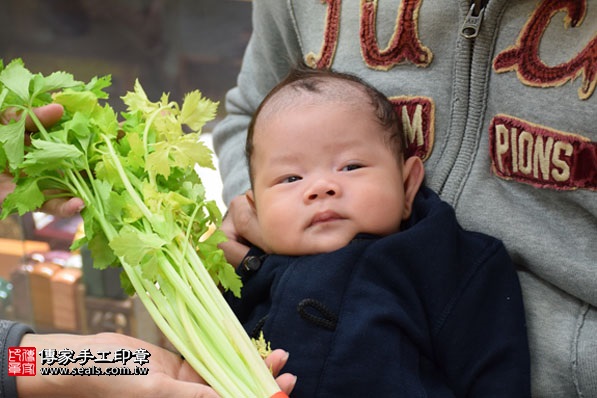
<point x="326" y="159"/>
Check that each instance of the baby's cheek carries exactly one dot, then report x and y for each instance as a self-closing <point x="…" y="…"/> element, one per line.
<point x="275" y="232"/>
<point x="383" y="223"/>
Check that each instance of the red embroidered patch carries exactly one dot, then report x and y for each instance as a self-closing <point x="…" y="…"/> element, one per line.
<point x="324" y="59"/>
<point x="524" y="58"/>
<point x="404" y="44"/>
<point x="540" y="156"/>
<point x="418" y="122"/>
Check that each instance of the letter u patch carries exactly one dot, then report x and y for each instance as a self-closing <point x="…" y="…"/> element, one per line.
<point x="542" y="157"/>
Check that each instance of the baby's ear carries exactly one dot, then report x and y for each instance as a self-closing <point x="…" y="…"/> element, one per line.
<point x="413" y="174"/>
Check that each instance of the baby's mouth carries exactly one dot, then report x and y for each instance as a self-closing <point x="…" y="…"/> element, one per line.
<point x="324" y="217"/>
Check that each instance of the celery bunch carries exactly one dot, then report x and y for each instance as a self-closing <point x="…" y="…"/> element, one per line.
<point x="145" y="208"/>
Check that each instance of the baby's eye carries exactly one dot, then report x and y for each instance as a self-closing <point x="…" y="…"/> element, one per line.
<point x="352" y="166"/>
<point x="290" y="179"/>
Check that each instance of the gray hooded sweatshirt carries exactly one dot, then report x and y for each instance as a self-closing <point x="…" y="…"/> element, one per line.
<point x="499" y="100"/>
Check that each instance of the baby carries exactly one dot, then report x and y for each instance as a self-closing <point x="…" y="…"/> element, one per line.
<point x="366" y="278"/>
<point x="326" y="164"/>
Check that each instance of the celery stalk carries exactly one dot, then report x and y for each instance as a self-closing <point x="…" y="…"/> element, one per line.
<point x="145" y="209"/>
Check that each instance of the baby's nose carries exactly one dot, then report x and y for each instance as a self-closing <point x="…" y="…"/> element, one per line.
<point x="321" y="189"/>
<point x="315" y="195"/>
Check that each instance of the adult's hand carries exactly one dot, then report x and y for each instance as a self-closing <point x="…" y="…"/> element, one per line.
<point x="169" y="375"/>
<point x="276" y="361"/>
<point x="241" y="228"/>
<point x="47" y="115"/>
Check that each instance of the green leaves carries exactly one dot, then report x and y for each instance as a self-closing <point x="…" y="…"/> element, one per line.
<point x="12" y="137"/>
<point x="182" y="153"/>
<point x="137" y="178"/>
<point x="17" y="79"/>
<point x="55" y="81"/>
<point x="51" y="156"/>
<point x="77" y="101"/>
<point x="136" y="246"/>
<point x="25" y="198"/>
<point x="137" y="100"/>
<point x="27" y="86"/>
<point x="145" y="207"/>
<point x="196" y="110"/>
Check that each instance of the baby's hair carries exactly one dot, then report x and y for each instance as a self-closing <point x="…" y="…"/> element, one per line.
<point x="332" y="86"/>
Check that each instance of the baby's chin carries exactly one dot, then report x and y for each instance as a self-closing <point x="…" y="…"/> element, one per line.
<point x="312" y="248"/>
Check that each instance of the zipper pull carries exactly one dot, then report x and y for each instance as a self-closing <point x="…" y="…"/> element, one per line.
<point x="472" y="22"/>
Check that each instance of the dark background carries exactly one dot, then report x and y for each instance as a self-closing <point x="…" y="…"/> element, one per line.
<point x="172" y="46"/>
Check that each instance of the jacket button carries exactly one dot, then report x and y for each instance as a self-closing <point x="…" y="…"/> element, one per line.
<point x="251" y="263"/>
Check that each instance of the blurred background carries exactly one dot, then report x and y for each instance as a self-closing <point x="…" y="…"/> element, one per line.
<point x="172" y="46"/>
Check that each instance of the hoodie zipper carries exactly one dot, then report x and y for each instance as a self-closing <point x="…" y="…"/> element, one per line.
<point x="474" y="18"/>
<point x="451" y="178"/>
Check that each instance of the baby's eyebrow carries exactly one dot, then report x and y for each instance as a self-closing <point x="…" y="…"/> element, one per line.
<point x="283" y="159"/>
<point x="289" y="158"/>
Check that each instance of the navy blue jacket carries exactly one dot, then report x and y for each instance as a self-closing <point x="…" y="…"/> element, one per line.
<point x="431" y="311"/>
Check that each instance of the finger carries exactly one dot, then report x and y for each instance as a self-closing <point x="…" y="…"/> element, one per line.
<point x="63" y="208"/>
<point x="286" y="382"/>
<point x="276" y="360"/>
<point x="187" y="373"/>
<point x="245" y="221"/>
<point x="6" y="186"/>
<point x="234" y="251"/>
<point x="48" y="115"/>
<point x="235" y="247"/>
<point x="168" y="387"/>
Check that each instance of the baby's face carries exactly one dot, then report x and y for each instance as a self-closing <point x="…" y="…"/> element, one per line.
<point x="322" y="174"/>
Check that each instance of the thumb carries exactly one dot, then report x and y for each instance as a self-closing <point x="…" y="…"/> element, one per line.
<point x="48" y="115"/>
<point x="63" y="208"/>
<point x="169" y="387"/>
